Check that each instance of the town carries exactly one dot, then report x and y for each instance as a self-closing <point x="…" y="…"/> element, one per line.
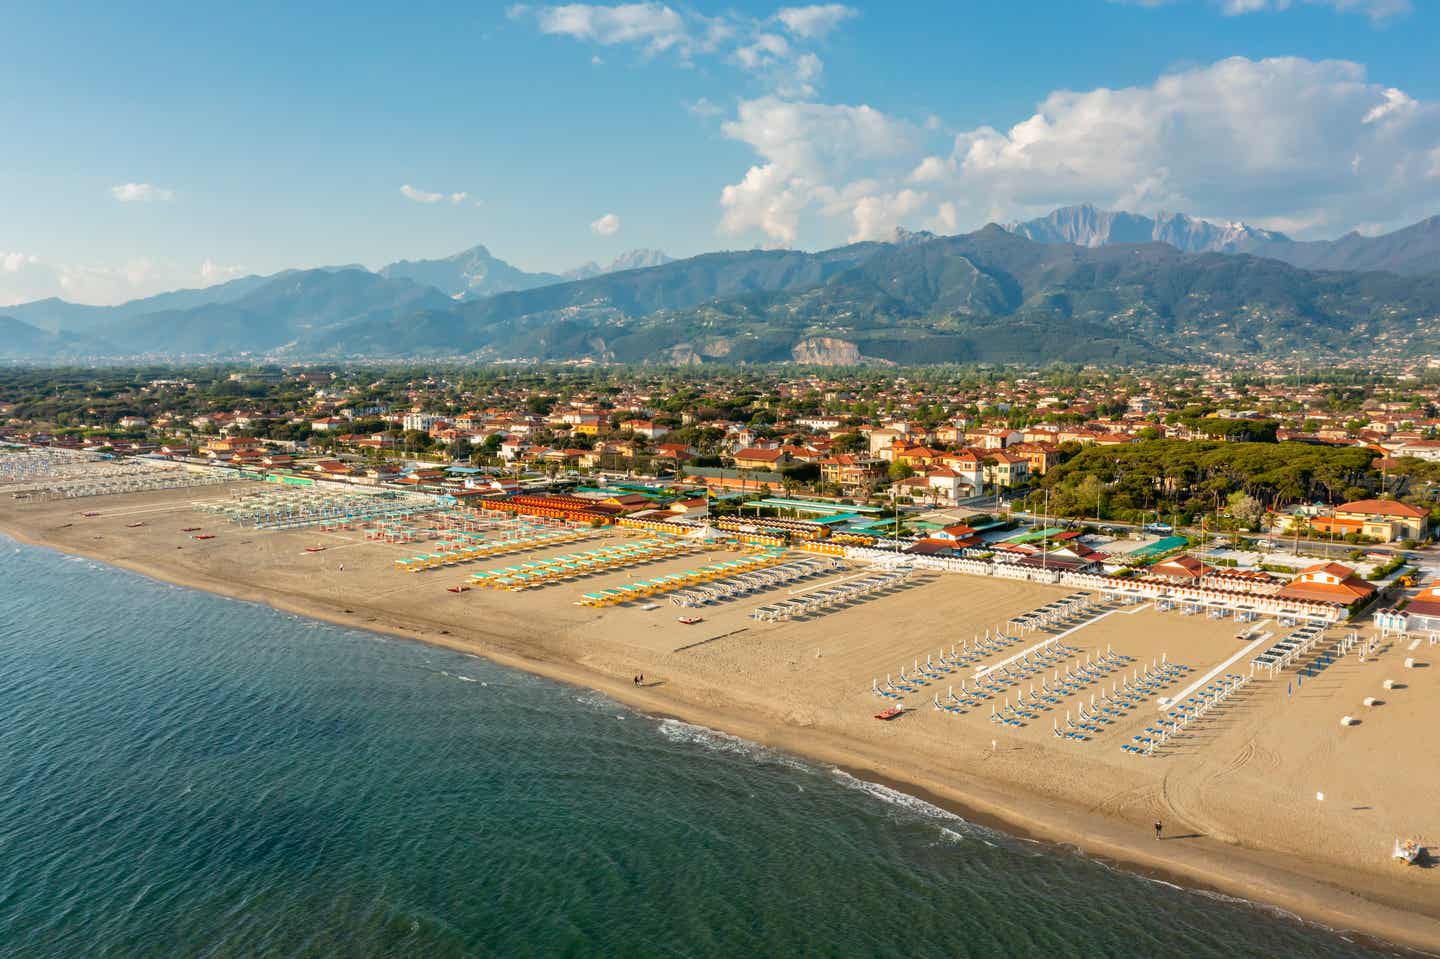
<point x="1262" y="451"/>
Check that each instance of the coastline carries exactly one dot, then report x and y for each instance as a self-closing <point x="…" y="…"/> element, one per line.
<point x="1265" y="879"/>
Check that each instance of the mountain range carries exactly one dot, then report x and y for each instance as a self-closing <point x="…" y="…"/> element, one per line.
<point x="1081" y="285"/>
<point x="1411" y="251"/>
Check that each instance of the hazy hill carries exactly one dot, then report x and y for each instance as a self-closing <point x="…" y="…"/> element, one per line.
<point x="476" y="273"/>
<point x="276" y="313"/>
<point x="992" y="295"/>
<point x="21" y="341"/>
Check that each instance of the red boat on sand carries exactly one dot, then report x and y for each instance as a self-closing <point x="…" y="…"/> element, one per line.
<point x="316" y="549"/>
<point x="892" y="712"/>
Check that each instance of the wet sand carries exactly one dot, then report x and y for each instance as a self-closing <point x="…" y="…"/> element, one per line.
<point x="1237" y="793"/>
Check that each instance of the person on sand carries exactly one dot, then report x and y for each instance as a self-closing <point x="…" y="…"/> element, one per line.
<point x="1158" y="827"/>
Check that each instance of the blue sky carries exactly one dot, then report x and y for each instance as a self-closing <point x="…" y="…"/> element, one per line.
<point x="152" y="146"/>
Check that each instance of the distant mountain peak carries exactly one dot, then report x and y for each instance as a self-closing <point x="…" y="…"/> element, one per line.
<point x="1087" y="225"/>
<point x="639" y="259"/>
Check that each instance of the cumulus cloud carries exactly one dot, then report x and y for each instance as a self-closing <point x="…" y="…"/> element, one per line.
<point x="607" y="225"/>
<point x="140" y="193"/>
<point x="1313" y="145"/>
<point x="812" y="154"/>
<point x="425" y="196"/>
<point x="815" y="20"/>
<point x="1280" y="137"/>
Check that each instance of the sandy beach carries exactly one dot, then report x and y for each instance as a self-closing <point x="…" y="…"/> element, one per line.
<point x="1237" y="793"/>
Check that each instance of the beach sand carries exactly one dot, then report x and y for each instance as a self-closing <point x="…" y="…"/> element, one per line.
<point x="1237" y="793"/>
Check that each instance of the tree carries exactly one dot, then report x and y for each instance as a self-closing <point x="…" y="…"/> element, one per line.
<point x="1247" y="509"/>
<point x="1090" y="490"/>
<point x="901" y="471"/>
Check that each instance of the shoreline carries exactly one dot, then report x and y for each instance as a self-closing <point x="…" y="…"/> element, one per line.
<point x="1266" y="880"/>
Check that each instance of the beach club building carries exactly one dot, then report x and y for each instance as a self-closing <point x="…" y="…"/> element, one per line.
<point x="1329" y="583"/>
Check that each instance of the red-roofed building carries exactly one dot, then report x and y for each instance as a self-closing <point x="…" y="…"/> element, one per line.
<point x="758" y="459"/>
<point x="1382" y="519"/>
<point x="1328" y="583"/>
<point x="1184" y="569"/>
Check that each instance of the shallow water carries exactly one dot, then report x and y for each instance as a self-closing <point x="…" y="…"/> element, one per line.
<point x="183" y="775"/>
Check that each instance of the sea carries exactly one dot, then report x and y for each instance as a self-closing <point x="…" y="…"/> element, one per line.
<point x="187" y="775"/>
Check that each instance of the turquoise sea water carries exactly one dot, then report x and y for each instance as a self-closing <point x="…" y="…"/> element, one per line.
<point x="183" y="775"/>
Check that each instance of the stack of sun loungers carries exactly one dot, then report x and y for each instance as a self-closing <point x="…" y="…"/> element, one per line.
<point x="1061" y="611"/>
<point x="756" y="581"/>
<point x="1288" y="650"/>
<point x="822" y="600"/>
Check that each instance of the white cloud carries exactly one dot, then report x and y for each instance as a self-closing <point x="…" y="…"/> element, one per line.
<point x="1397" y="103"/>
<point x="754" y="45"/>
<point x="1313" y="145"/>
<point x="607" y="225"/>
<point x="140" y="193"/>
<point x="815" y="20"/>
<point x="425" y="196"/>
<point x="1375" y="9"/>
<point x="654" y="25"/>
<point x="703" y="107"/>
<point x="876" y="215"/>
<point x="1268" y="138"/>
<point x="212" y="272"/>
<point x="811" y="155"/>
<point x="946" y="220"/>
<point x="930" y="169"/>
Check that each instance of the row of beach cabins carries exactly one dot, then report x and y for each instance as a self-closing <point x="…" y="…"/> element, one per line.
<point x="1248" y="601"/>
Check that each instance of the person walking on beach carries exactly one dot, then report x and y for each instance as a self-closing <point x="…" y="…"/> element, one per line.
<point x="1158" y="827"/>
